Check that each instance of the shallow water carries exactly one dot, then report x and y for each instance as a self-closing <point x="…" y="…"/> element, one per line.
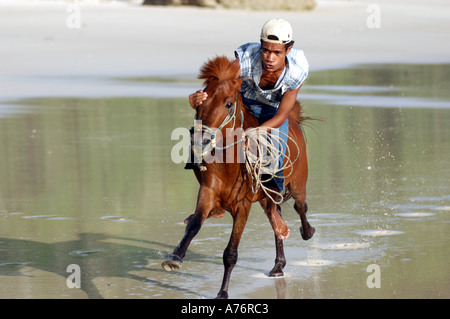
<point x="90" y="182"/>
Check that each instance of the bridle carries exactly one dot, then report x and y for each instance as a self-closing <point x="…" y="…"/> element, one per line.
<point x="198" y="127"/>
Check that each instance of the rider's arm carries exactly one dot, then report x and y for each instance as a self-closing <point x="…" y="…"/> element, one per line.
<point x="196" y="99"/>
<point x="286" y="105"/>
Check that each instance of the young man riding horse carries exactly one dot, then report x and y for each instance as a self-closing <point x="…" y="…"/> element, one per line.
<point x="272" y="72"/>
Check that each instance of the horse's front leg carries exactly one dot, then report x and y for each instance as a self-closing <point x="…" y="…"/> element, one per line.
<point x="230" y="255"/>
<point x="205" y="203"/>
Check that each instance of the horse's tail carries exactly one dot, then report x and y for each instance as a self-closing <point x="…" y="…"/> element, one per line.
<point x="297" y="113"/>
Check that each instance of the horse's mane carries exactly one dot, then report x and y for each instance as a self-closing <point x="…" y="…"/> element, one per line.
<point x="221" y="68"/>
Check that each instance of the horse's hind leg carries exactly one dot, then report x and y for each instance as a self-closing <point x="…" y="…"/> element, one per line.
<point x="280" y="260"/>
<point x="297" y="189"/>
<point x="299" y="177"/>
<point x="298" y="193"/>
<point x="306" y="230"/>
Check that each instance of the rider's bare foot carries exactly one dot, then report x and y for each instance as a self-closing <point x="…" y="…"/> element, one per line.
<point x="280" y="228"/>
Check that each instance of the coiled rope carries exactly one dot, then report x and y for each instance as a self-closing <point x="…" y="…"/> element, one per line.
<point x="262" y="152"/>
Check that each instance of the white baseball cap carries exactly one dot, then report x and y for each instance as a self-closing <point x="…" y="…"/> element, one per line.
<point x="276" y="31"/>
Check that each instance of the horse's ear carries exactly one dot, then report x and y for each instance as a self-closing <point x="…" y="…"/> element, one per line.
<point x="237" y="82"/>
<point x="237" y="67"/>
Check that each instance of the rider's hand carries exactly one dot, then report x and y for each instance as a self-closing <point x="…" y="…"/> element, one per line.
<point x="196" y="99"/>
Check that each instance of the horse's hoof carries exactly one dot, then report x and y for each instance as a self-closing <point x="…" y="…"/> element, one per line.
<point x="309" y="234"/>
<point x="172" y="262"/>
<point x="275" y="274"/>
<point x="222" y="295"/>
<point x="277" y="271"/>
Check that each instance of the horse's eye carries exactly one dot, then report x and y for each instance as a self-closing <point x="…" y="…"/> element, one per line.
<point x="229" y="104"/>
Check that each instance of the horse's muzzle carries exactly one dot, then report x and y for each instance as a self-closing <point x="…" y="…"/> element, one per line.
<point x="203" y="143"/>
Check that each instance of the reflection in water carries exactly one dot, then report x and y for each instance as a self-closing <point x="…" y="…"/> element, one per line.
<point x="91" y="182"/>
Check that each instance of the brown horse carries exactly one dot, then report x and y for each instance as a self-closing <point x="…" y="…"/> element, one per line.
<point x="227" y="186"/>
